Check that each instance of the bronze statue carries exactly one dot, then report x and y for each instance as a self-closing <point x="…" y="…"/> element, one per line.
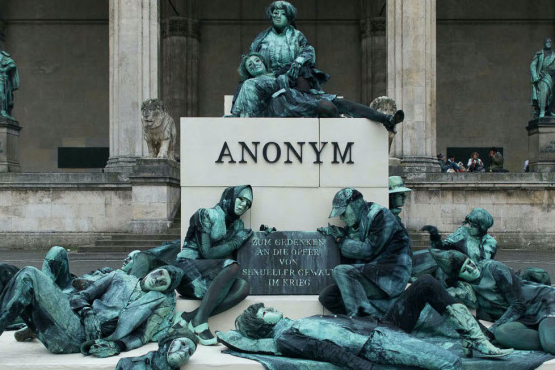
<point x="542" y="70"/>
<point x="9" y="82"/>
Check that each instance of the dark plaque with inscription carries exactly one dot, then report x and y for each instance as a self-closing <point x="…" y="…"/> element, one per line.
<point x="288" y="262"/>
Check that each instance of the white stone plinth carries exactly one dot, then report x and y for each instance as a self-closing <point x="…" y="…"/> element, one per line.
<point x="289" y="196"/>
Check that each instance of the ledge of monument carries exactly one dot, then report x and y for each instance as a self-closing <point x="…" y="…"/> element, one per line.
<point x="61" y="179"/>
<point x="482" y="179"/>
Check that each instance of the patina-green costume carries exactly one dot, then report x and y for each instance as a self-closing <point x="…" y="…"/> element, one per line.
<point x="202" y="261"/>
<point x="477" y="248"/>
<point x="282" y="49"/>
<point x="128" y="315"/>
<point x="156" y="360"/>
<point x="378" y="250"/>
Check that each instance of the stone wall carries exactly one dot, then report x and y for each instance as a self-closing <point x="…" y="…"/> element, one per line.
<point x="41" y="210"/>
<point x="522" y="205"/>
<point x="484" y="50"/>
<point x="61" y="50"/>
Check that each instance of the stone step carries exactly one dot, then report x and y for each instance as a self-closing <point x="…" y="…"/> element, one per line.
<point x="137" y="242"/>
<point x="111" y="249"/>
<point x="163" y="237"/>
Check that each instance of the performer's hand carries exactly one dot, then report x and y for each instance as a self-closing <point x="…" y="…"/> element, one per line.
<point x="103" y="348"/>
<point x="293" y="72"/>
<point x="92" y="325"/>
<point x="267" y="229"/>
<point x="244" y="234"/>
<point x="324" y="231"/>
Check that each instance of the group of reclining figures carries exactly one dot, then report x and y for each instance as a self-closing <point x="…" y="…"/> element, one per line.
<point x="107" y="311"/>
<point x="375" y="315"/>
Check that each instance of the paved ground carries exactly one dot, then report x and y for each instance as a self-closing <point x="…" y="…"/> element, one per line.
<point x="82" y="263"/>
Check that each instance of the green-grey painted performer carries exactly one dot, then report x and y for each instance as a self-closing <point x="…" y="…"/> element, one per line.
<point x="376" y="256"/>
<point x="9" y="82"/>
<point x="357" y="343"/>
<point x="174" y="350"/>
<point x="523" y="311"/>
<point x="210" y="272"/>
<point x="397" y="195"/>
<point x="118" y="312"/>
<point x="542" y="70"/>
<point x="471" y="239"/>
<point x="279" y="77"/>
<point x="262" y="94"/>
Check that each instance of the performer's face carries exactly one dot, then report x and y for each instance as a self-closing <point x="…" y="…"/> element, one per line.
<point x="255" y="66"/>
<point x="158" y="280"/>
<point x="269" y="314"/>
<point x="279" y="20"/>
<point x="469" y="271"/>
<point x="398" y="200"/>
<point x="473" y="229"/>
<point x="181" y="349"/>
<point x="547" y="43"/>
<point x="349" y="216"/>
<point x="243" y="202"/>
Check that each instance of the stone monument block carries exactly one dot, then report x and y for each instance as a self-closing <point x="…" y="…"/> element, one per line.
<point x="9" y="145"/>
<point x="288" y="262"/>
<point x="541" y="144"/>
<point x="295" y="166"/>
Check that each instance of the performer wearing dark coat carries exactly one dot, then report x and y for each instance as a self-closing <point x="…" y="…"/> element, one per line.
<point x="377" y="256"/>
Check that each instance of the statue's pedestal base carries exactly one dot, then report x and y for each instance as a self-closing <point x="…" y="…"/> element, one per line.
<point x="155" y="195"/>
<point x="541" y="144"/>
<point x="9" y="145"/>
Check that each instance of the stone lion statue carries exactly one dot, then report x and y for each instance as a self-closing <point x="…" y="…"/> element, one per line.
<point x="159" y="129"/>
<point x="385" y="105"/>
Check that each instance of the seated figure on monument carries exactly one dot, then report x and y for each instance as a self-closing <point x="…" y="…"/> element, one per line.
<point x="376" y="256"/>
<point x="358" y="343"/>
<point x="116" y="313"/>
<point x="9" y="82"/>
<point x="210" y="272"/>
<point x="262" y="94"/>
<point x="523" y="312"/>
<point x="542" y="70"/>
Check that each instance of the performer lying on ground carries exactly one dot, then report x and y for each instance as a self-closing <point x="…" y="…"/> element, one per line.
<point x="523" y="311"/>
<point x="357" y="343"/>
<point x="210" y="273"/>
<point x="116" y="313"/>
<point x="376" y="257"/>
<point x="264" y="95"/>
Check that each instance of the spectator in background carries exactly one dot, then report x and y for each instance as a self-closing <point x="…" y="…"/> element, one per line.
<point x="526" y="167"/>
<point x="475" y="163"/>
<point x="441" y="159"/>
<point x="452" y="165"/>
<point x="496" y="161"/>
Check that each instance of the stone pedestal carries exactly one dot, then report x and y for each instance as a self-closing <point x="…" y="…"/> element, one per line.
<point x="134" y="77"/>
<point x="541" y="144"/>
<point x="411" y="81"/>
<point x="155" y="195"/>
<point x="9" y="145"/>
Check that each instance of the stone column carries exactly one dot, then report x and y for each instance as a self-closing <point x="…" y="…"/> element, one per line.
<point x="374" y="58"/>
<point x="180" y="55"/>
<point x="134" y="76"/>
<point x="411" y="81"/>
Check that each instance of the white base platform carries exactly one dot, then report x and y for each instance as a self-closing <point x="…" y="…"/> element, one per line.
<point x="29" y="355"/>
<point x="293" y="307"/>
